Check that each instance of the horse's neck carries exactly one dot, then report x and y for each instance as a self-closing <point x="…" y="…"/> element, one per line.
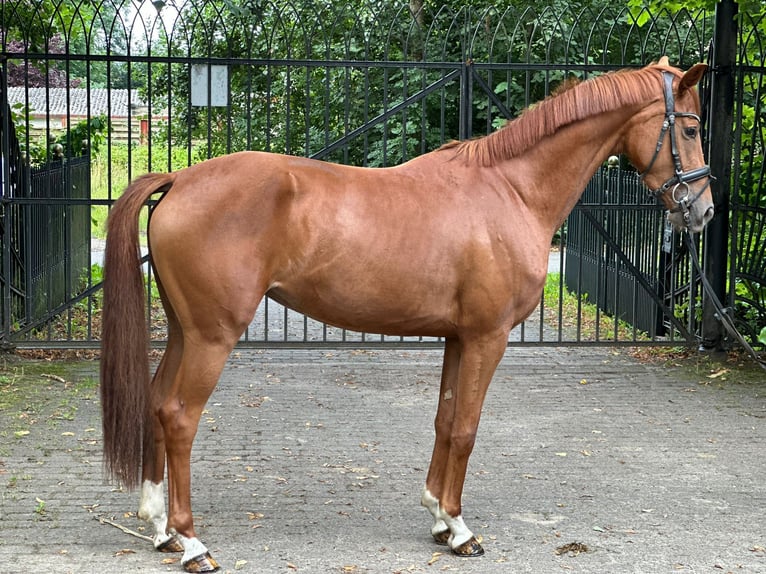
<point x="557" y="170"/>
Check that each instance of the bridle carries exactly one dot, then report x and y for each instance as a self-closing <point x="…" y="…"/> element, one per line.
<point x="678" y="185"/>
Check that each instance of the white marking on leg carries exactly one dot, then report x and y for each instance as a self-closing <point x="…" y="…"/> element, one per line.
<point x="192" y="548"/>
<point x="432" y="504"/>
<point x="152" y="509"/>
<point x="460" y="533"/>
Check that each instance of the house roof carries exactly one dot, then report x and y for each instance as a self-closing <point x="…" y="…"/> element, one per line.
<point x="74" y="101"/>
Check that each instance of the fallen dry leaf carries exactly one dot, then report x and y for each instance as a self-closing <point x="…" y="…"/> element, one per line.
<point x="572" y="549"/>
<point x="434" y="558"/>
<point x="124" y="551"/>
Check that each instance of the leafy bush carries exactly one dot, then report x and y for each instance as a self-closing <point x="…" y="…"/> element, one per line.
<point x="86" y="136"/>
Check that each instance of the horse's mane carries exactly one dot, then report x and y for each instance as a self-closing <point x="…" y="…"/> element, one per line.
<point x="568" y="104"/>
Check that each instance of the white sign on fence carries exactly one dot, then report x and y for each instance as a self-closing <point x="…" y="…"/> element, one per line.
<point x="212" y="80"/>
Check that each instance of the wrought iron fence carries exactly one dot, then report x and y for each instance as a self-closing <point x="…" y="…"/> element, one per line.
<point x="13" y="176"/>
<point x="747" y="294"/>
<point x="57" y="237"/>
<point x="369" y="84"/>
<point x="48" y="242"/>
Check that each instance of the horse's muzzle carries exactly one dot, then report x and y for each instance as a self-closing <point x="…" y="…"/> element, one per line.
<point x="694" y="218"/>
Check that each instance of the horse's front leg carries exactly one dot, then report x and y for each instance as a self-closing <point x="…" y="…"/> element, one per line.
<point x="442" y="425"/>
<point x="466" y="374"/>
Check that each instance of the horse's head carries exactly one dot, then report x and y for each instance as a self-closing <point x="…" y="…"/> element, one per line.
<point x="665" y="144"/>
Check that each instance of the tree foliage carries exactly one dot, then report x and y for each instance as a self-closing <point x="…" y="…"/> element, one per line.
<point x="299" y="77"/>
<point x="46" y="33"/>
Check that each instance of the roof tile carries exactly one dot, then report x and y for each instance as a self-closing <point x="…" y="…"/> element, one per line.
<point x="74" y="101"/>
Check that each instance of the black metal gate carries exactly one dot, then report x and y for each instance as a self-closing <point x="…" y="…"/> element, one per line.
<point x="367" y="85"/>
<point x="624" y="257"/>
<point x="46" y="236"/>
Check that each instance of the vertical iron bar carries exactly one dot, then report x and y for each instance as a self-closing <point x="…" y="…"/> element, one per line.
<point x="466" y="99"/>
<point x="721" y="120"/>
<point x="5" y="132"/>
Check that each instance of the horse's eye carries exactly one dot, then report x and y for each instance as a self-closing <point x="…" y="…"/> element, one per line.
<point x="690" y="133"/>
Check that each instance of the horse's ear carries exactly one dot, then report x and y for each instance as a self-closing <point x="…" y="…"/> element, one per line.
<point x="692" y="76"/>
<point x="664" y="61"/>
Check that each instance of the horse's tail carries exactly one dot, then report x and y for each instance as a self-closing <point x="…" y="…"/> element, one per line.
<point x="124" y="338"/>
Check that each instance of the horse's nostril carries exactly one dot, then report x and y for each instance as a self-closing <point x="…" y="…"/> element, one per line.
<point x="709" y="214"/>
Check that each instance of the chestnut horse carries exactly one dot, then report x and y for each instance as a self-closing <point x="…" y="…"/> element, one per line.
<point x="451" y="244"/>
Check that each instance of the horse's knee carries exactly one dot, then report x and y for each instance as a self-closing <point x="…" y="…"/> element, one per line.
<point x="461" y="443"/>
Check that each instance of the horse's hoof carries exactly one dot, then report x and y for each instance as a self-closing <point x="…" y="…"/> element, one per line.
<point x="172" y="544"/>
<point x="441" y="538"/>
<point x="469" y="549"/>
<point x="202" y="563"/>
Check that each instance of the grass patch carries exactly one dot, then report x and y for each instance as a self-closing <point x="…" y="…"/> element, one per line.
<point x="581" y="320"/>
<point x="113" y="168"/>
<point x="39" y="393"/>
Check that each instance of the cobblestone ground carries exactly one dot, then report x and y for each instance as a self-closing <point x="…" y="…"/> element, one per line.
<point x="313" y="461"/>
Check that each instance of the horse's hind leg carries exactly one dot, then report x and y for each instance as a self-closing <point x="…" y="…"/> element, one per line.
<point x="200" y="367"/>
<point x="152" y="504"/>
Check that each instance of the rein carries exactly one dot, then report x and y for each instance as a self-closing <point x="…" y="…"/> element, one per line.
<point x="678" y="185"/>
<point x="721" y="313"/>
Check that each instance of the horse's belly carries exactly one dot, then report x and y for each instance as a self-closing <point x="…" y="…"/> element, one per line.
<point x="398" y="313"/>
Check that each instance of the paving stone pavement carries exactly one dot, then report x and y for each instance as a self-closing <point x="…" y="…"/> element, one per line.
<point x="312" y="461"/>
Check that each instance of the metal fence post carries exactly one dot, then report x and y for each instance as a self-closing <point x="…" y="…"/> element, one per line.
<point x="5" y="212"/>
<point x="720" y="156"/>
<point x="466" y="100"/>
